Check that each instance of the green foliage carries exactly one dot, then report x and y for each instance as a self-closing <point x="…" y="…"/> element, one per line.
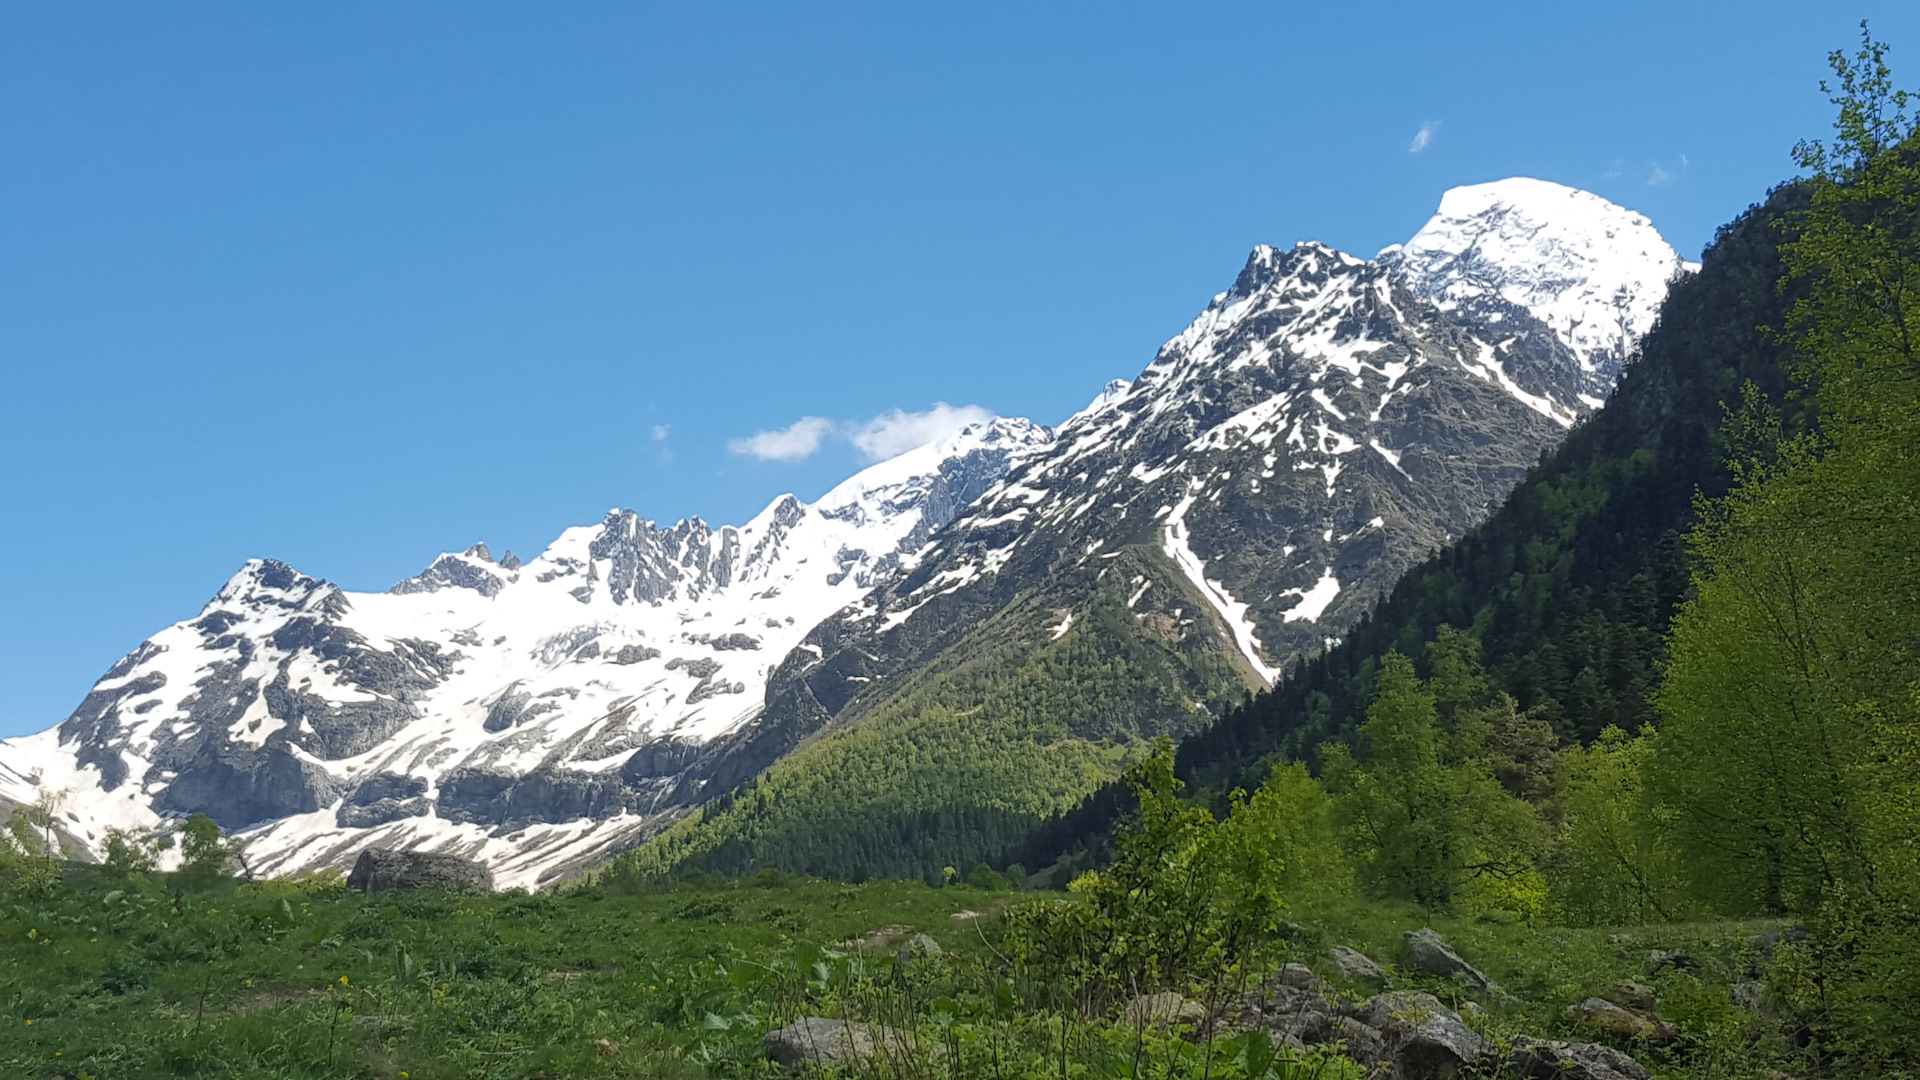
<point x="1616" y="862"/>
<point x="959" y="765"/>
<point x="131" y="852"/>
<point x="1423" y="813"/>
<point x="1791" y="704"/>
<point x="1187" y="899"/>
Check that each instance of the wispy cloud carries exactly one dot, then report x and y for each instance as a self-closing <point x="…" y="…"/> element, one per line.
<point x="795" y="442"/>
<point x="890" y="434"/>
<point x="1659" y="176"/>
<point x="894" y="433"/>
<point x="1424" y="137"/>
<point x="660" y="432"/>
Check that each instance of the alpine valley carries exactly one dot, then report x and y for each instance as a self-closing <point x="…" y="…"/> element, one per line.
<point x="944" y="651"/>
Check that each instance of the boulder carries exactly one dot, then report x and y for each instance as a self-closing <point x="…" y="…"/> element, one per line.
<point x="920" y="947"/>
<point x="1431" y="953"/>
<point x="1424" y="1039"/>
<point x="1354" y="964"/>
<point x="816" y="1040"/>
<point x="1659" y="960"/>
<point x="1285" y="1010"/>
<point x="1624" y="1024"/>
<point x="1364" y="1043"/>
<point x="1163" y="1009"/>
<point x="1631" y="995"/>
<point x="1749" y="996"/>
<point x="380" y="870"/>
<point x="1298" y="976"/>
<point x="1546" y="1059"/>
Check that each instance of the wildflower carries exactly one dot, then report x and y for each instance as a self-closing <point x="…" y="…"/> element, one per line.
<point x="343" y="980"/>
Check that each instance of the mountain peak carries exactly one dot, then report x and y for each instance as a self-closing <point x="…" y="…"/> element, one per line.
<point x="1593" y="271"/>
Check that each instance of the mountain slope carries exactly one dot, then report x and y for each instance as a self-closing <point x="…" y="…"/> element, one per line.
<point x="535" y="716"/>
<point x="1319" y="429"/>
<point x="1570" y="586"/>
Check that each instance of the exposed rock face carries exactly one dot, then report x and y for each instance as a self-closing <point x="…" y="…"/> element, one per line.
<point x="1431" y="953"/>
<point x="1326" y="423"/>
<point x="1545" y="1059"/>
<point x="379" y="871"/>
<point x="1321" y="426"/>
<point x="533" y="716"/>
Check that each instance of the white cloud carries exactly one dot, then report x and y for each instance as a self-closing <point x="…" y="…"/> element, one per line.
<point x="795" y="442"/>
<point x="894" y="433"/>
<point x="1659" y="176"/>
<point x="1424" y="137"/>
<point x="660" y="431"/>
<point x="888" y="435"/>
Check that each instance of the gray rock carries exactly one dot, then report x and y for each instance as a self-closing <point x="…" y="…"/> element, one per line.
<point x="365" y="816"/>
<point x="1424" y="1038"/>
<point x="1546" y="1059"/>
<point x="1298" y="976"/>
<point x="1659" y="960"/>
<point x="700" y="667"/>
<point x="816" y="1040"/>
<point x="1364" y="1042"/>
<point x="380" y="870"/>
<point x="1623" y="1024"/>
<point x="920" y="947"/>
<point x="1162" y="1009"/>
<point x="1355" y="965"/>
<point x="1749" y="996"/>
<point x="1431" y="953"/>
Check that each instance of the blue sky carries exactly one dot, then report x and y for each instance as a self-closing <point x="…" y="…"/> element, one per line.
<point x="351" y="284"/>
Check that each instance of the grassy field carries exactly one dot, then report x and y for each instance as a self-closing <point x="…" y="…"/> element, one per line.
<point x="101" y="980"/>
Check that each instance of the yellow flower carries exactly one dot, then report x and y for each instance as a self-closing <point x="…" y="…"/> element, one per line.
<point x="343" y="980"/>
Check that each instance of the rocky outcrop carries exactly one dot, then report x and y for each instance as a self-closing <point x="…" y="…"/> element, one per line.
<point x="379" y="871"/>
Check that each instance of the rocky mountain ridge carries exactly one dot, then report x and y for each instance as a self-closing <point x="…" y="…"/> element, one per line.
<point x="531" y="715"/>
<point x="1322" y="426"/>
<point x="1325" y="422"/>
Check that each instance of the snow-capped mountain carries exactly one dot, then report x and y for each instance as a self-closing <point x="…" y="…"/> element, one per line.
<point x="1321" y="427"/>
<point x="532" y="715"/>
